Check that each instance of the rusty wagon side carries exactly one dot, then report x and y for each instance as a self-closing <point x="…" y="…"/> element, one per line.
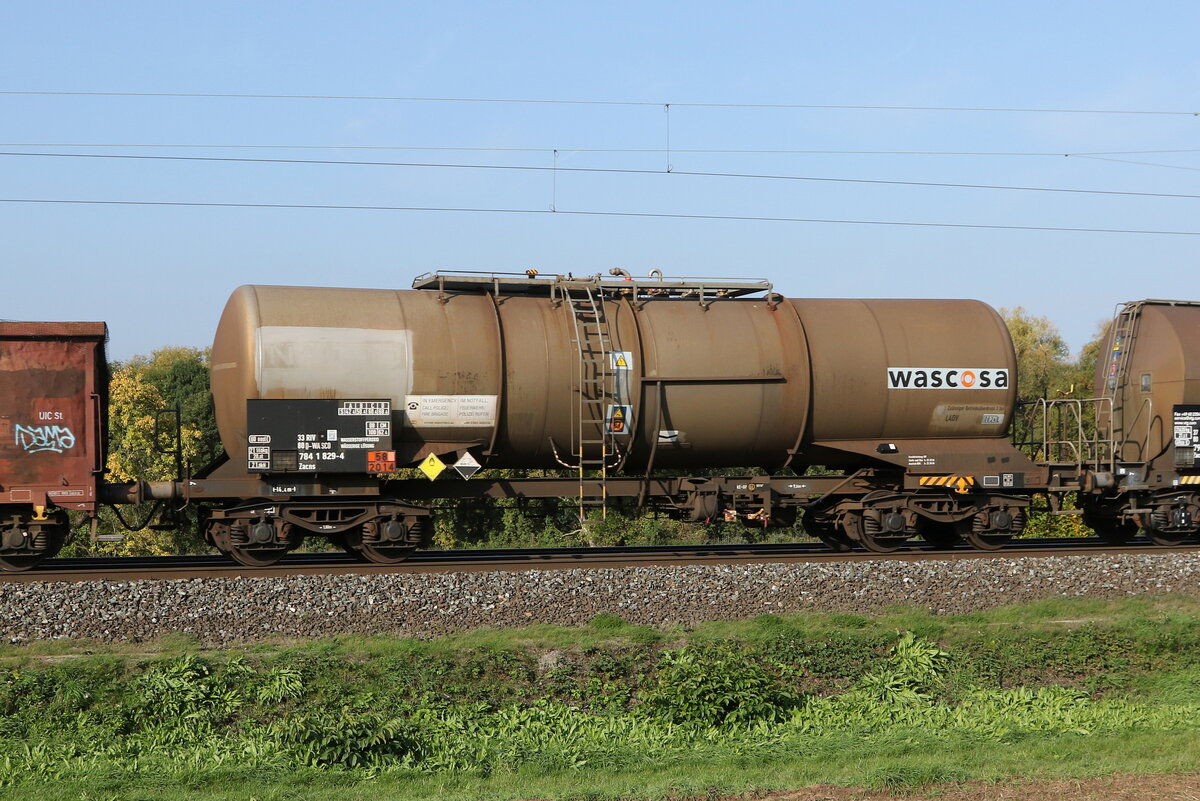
<point x="53" y="430"/>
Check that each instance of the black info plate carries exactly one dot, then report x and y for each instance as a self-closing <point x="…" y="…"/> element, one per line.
<point x="1187" y="435"/>
<point x="319" y="435"/>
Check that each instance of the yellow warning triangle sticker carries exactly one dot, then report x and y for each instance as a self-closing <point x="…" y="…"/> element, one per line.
<point x="621" y="361"/>
<point x="620" y="412"/>
<point x="432" y="467"/>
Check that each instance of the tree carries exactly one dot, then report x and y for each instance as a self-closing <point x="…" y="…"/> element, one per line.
<point x="1084" y="367"/>
<point x="138" y="391"/>
<point x="181" y="376"/>
<point x="1043" y="359"/>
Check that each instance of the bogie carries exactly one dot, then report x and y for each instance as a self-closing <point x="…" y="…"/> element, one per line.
<point x="29" y="535"/>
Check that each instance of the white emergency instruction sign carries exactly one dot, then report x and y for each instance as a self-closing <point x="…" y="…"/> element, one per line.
<point x="450" y="411"/>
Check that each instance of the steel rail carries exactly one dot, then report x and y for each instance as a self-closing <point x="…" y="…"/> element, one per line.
<point x="521" y="559"/>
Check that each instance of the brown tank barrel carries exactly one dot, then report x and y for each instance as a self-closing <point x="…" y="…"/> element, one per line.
<point x="908" y="369"/>
<point x="1150" y="369"/>
<point x="733" y="382"/>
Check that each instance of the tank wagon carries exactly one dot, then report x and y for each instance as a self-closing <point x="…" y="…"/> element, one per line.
<point x="1137" y="443"/>
<point x="617" y="377"/>
<point x="878" y="420"/>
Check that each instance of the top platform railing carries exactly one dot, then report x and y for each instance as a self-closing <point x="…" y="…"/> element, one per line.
<point x="618" y="281"/>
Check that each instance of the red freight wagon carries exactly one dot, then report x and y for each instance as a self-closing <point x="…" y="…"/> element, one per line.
<point x="53" y="420"/>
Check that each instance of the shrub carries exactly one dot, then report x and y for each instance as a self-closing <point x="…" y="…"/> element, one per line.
<point x="715" y="685"/>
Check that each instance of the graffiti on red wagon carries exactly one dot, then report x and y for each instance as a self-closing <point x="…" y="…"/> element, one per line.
<point x="37" y="439"/>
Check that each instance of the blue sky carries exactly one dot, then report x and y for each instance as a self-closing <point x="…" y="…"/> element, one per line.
<point x="160" y="275"/>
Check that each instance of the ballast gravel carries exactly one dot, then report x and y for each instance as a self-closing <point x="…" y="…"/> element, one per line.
<point x="221" y="611"/>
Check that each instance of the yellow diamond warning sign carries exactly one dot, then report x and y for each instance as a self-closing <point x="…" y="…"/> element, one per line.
<point x="432" y="467"/>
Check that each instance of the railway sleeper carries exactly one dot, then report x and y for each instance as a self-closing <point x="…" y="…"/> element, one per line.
<point x="261" y="534"/>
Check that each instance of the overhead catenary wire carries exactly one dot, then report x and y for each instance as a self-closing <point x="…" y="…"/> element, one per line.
<point x="584" y="102"/>
<point x="595" y="213"/>
<point x="1140" y="163"/>
<point x="649" y="150"/>
<point x="601" y="170"/>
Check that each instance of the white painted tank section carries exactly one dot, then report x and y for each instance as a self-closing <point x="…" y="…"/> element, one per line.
<point x="351" y="362"/>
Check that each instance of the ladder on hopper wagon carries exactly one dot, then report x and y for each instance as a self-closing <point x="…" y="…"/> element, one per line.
<point x="1116" y="371"/>
<point x="594" y="447"/>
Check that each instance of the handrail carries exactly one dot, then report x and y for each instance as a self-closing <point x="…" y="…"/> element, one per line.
<point x="1068" y="434"/>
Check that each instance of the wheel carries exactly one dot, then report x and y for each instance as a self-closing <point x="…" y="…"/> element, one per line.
<point x="15" y="563"/>
<point x="1156" y="523"/>
<point x="987" y="542"/>
<point x="1164" y="538"/>
<point x="381" y="541"/>
<point x="828" y="533"/>
<point x="25" y="542"/>
<point x="854" y="526"/>
<point x="219" y="534"/>
<point x="255" y="557"/>
<point x="941" y="534"/>
<point x="984" y="540"/>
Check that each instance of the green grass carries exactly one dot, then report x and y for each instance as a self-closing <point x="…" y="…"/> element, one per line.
<point x="898" y="765"/>
<point x="1059" y="688"/>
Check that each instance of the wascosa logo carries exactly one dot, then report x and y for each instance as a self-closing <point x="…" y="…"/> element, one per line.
<point x="947" y="378"/>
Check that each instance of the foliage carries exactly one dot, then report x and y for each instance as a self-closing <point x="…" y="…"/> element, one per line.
<point x="135" y="444"/>
<point x="715" y="685"/>
<point x="345" y="738"/>
<point x="1043" y="359"/>
<point x="1046" y="370"/>
<point x="139" y="390"/>
<point x="847" y="697"/>
<point x="181" y="376"/>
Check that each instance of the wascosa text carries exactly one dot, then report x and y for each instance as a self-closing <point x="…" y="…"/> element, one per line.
<point x="947" y="378"/>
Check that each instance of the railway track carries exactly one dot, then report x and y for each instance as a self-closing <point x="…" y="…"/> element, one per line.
<point x="519" y="559"/>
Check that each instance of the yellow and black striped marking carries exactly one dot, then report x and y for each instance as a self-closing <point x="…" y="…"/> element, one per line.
<point x="958" y="483"/>
<point x="1189" y="479"/>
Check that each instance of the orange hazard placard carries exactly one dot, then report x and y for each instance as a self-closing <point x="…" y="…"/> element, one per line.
<point x="381" y="461"/>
